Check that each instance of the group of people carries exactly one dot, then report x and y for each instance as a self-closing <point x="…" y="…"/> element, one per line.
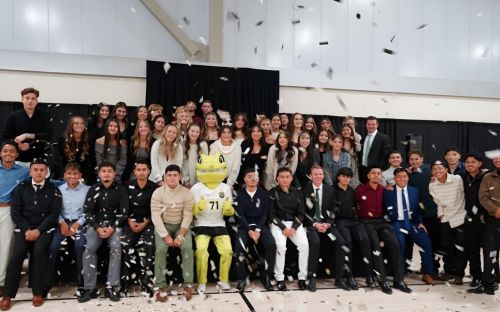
<point x="137" y="184"/>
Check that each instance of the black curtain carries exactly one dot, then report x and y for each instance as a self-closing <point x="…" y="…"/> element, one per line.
<point x="232" y="89"/>
<point x="436" y="135"/>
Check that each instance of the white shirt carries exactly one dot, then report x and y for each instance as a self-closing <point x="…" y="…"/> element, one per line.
<point x="320" y="195"/>
<point x="33" y="183"/>
<point x="212" y="214"/>
<point x="401" y="215"/>
<point x="369" y="137"/>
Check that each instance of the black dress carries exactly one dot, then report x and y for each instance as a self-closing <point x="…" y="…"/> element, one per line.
<point x="88" y="164"/>
<point x="249" y="160"/>
<point x="301" y="176"/>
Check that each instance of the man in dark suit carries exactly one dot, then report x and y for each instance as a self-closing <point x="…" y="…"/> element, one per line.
<point x="376" y="148"/>
<point x="401" y="205"/>
<point x="320" y="203"/>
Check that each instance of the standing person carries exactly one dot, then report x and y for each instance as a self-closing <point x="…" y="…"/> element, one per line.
<point x="326" y="124"/>
<point x="447" y="190"/>
<point x="165" y="151"/>
<point x="240" y="130"/>
<point x="369" y="201"/>
<point x="284" y="122"/>
<point x="287" y="215"/>
<point x="476" y="214"/>
<point x="349" y="226"/>
<point x="231" y="150"/>
<point x="182" y="119"/>
<point x="191" y="109"/>
<point x="75" y="146"/>
<point x="106" y="209"/>
<point x="337" y="158"/>
<point x="265" y="125"/>
<point x="96" y="122"/>
<point x="310" y="126"/>
<point x="254" y="153"/>
<point x="211" y="128"/>
<point x="206" y="107"/>
<point x="158" y="123"/>
<point x="139" y="148"/>
<point x="71" y="223"/>
<point x="297" y="127"/>
<point x="350" y="144"/>
<point x="319" y="221"/>
<point x="36" y="204"/>
<point x="452" y="155"/>
<point x="171" y="213"/>
<point x="27" y="126"/>
<point x="395" y="161"/>
<point x="401" y="205"/>
<point x="282" y="154"/>
<point x="323" y="139"/>
<point x="376" y="148"/>
<point x="351" y="122"/>
<point x="194" y="146"/>
<point x="489" y="194"/>
<point x="275" y="126"/>
<point x="120" y="113"/>
<point x="308" y="157"/>
<point x="111" y="148"/>
<point x="138" y="234"/>
<point x="420" y="176"/>
<point x="11" y="174"/>
<point x="153" y="111"/>
<point x="252" y="208"/>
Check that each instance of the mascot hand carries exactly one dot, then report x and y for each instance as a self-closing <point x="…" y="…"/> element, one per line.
<point x="227" y="208"/>
<point x="199" y="206"/>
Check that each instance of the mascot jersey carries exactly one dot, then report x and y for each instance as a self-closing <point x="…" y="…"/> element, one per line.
<point x="211" y="216"/>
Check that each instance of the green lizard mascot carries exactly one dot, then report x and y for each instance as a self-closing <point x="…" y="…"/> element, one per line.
<point x="213" y="200"/>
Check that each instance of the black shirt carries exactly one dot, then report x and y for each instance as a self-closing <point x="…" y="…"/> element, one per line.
<point x="19" y="122"/>
<point x="300" y="179"/>
<point x="36" y="210"/>
<point x="140" y="200"/>
<point x="106" y="206"/>
<point x="249" y="159"/>
<point x="87" y="164"/>
<point x="344" y="202"/>
<point x="471" y="189"/>
<point x="286" y="206"/>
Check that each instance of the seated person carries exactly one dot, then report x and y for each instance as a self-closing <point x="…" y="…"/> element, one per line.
<point x="369" y="200"/>
<point x="252" y="207"/>
<point x="401" y="204"/>
<point x="287" y="215"/>
<point x="319" y="222"/>
<point x="71" y="222"/>
<point x="138" y="239"/>
<point x="36" y="204"/>
<point x="213" y="200"/>
<point x="171" y="213"/>
<point x="106" y="209"/>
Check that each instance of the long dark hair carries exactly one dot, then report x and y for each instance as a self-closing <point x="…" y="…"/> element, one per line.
<point x="309" y="148"/>
<point x="289" y="148"/>
<point x="107" y="137"/>
<point x="244" y="129"/>
<point x="96" y="114"/>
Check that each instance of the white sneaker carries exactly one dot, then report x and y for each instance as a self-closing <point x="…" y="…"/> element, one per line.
<point x="202" y="288"/>
<point x="224" y="286"/>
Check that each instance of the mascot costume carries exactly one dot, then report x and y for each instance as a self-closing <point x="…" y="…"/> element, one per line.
<point x="213" y="201"/>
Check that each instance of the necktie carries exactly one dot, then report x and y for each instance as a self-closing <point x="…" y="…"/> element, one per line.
<point x="316" y="203"/>
<point x="38" y="186"/>
<point x="406" y="215"/>
<point x="366" y="150"/>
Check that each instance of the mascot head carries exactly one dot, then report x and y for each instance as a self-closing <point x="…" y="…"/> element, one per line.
<point x="211" y="170"/>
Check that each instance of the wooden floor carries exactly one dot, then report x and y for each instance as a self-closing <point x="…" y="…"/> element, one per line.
<point x="440" y="297"/>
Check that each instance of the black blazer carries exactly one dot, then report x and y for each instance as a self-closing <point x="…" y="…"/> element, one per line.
<point x="327" y="205"/>
<point x="379" y="150"/>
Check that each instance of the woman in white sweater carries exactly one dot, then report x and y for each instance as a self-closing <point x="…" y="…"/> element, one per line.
<point x="165" y="151"/>
<point x="193" y="148"/>
<point x="231" y="151"/>
<point x="282" y="154"/>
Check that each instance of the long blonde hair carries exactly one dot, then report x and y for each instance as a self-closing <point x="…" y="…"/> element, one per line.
<point x="169" y="150"/>
<point x="136" y="139"/>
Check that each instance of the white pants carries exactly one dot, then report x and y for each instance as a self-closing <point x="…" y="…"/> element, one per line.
<point x="6" y="241"/>
<point x="300" y="240"/>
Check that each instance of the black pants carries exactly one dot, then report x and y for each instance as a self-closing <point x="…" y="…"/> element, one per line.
<point x="39" y="252"/>
<point x="453" y="246"/>
<point x="379" y="230"/>
<point x="474" y="230"/>
<point x="432" y="225"/>
<point x="242" y="247"/>
<point x="353" y="230"/>
<point x="138" y="252"/>
<point x="313" y="236"/>
<point x="491" y="245"/>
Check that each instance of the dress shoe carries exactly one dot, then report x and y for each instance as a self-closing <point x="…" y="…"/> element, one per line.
<point x="458" y="280"/>
<point x="401" y="285"/>
<point x="161" y="295"/>
<point x="188" y="293"/>
<point x="427" y="278"/>
<point x="352" y="283"/>
<point x="87" y="294"/>
<point x="266" y="282"/>
<point x="481" y="289"/>
<point x="2" y="289"/>
<point x="5" y="304"/>
<point x="340" y="283"/>
<point x="445" y="277"/>
<point x="37" y="300"/>
<point x="475" y="282"/>
<point x="369" y="282"/>
<point x="111" y="294"/>
<point x="312" y="284"/>
<point x="241" y="285"/>
<point x="302" y="285"/>
<point x="386" y="289"/>
<point x="281" y="285"/>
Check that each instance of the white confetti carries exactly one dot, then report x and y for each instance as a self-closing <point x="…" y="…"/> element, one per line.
<point x="492" y="132"/>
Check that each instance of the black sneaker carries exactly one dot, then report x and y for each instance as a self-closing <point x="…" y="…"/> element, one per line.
<point x="266" y="282"/>
<point x="302" y="285"/>
<point x="475" y="282"/>
<point x="241" y="285"/>
<point x="87" y="294"/>
<point x="340" y="283"/>
<point x="481" y="289"/>
<point x="352" y="283"/>
<point x="111" y="294"/>
<point x="281" y="285"/>
<point x="402" y="286"/>
<point x="312" y="284"/>
<point x="386" y="289"/>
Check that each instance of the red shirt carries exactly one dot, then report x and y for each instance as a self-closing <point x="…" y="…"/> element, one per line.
<point x="369" y="201"/>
